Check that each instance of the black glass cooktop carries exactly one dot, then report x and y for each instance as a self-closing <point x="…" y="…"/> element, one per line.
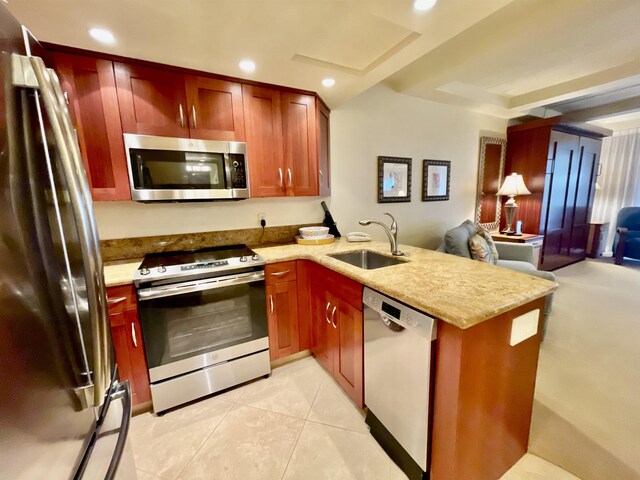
<point x="194" y="257"/>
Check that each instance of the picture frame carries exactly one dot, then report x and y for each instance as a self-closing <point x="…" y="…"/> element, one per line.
<point x="436" y="180"/>
<point x="394" y="179"/>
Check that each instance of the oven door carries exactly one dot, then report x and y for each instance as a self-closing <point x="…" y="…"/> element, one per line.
<point x="195" y="324"/>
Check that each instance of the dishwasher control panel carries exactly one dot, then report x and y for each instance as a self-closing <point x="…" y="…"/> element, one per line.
<point x="391" y="310"/>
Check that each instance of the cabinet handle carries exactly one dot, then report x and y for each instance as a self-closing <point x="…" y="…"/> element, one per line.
<point x="326" y="312"/>
<point x="114" y="301"/>
<point x="333" y="314"/>
<point x="133" y="335"/>
<point x="321" y="174"/>
<point x="195" y="120"/>
<point x="281" y="185"/>
<point x="271" y="301"/>
<point x="181" y="116"/>
<point x="66" y="97"/>
<point x="279" y="274"/>
<point x="290" y="177"/>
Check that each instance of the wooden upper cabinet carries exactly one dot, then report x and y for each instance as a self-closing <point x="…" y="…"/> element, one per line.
<point x="93" y="104"/>
<point x="263" y="124"/>
<point x="215" y="109"/>
<point x="324" y="154"/>
<point x="152" y="101"/>
<point x="300" y="144"/>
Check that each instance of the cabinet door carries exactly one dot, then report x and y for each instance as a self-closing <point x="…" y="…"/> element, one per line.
<point x="215" y="109"/>
<point x="282" y="305"/>
<point x="585" y="190"/>
<point x="348" y="350"/>
<point x="320" y="325"/>
<point x="152" y="101"/>
<point x="300" y="144"/>
<point x="93" y="103"/>
<point x="560" y="188"/>
<point x="324" y="154"/>
<point x="263" y="124"/>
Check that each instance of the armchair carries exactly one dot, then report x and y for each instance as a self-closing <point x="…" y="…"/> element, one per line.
<point x="627" y="242"/>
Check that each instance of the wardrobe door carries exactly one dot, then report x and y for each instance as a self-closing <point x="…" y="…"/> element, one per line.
<point x="559" y="201"/>
<point x="585" y="190"/>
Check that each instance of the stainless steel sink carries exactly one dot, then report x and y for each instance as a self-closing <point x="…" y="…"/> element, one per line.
<point x="367" y="259"/>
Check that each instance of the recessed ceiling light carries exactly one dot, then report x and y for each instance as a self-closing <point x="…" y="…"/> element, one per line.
<point x="328" y="82"/>
<point x="422" y="5"/>
<point x="247" y="66"/>
<point x="102" y="35"/>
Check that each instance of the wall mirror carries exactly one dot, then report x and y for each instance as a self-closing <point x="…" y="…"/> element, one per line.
<point x="490" y="176"/>
<point x="394" y="179"/>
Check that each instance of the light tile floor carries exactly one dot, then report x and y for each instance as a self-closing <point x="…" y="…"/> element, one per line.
<point x="297" y="424"/>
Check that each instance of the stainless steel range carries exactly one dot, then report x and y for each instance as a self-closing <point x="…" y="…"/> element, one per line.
<point x="204" y="321"/>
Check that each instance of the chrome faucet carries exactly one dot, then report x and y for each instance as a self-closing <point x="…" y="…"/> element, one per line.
<point x="392" y="233"/>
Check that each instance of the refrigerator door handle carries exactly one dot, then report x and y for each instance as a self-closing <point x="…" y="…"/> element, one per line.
<point x="123" y="390"/>
<point x="71" y="161"/>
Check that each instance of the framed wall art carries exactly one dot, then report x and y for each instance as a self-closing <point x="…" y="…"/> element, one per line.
<point x="436" y="178"/>
<point x="394" y="179"/>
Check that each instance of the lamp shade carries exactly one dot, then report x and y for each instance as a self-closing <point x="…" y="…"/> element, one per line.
<point x="513" y="185"/>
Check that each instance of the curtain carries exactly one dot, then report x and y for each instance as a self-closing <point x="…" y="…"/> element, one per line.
<point x="619" y="180"/>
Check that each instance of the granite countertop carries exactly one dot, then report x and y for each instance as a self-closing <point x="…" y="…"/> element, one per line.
<point x="453" y="289"/>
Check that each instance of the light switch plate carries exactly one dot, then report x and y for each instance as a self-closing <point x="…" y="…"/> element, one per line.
<point x="523" y="327"/>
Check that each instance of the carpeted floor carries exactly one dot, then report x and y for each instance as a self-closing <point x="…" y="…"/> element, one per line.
<point x="586" y="416"/>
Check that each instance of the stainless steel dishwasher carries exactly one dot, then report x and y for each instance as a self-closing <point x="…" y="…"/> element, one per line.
<point x="398" y="346"/>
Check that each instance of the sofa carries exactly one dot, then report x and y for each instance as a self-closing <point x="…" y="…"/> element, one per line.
<point x="514" y="256"/>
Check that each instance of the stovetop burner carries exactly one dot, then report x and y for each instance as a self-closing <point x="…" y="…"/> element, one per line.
<point x="201" y="263"/>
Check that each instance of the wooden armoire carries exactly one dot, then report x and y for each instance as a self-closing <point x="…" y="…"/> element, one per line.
<point x="559" y="163"/>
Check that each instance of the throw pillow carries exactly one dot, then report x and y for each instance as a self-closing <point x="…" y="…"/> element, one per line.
<point x="456" y="240"/>
<point x="492" y="246"/>
<point x="480" y="249"/>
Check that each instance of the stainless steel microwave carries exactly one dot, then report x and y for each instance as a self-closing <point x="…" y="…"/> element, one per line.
<point x="164" y="169"/>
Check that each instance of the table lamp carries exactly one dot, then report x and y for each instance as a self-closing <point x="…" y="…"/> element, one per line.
<point x="513" y="185"/>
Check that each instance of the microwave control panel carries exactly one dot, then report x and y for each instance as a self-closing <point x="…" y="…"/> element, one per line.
<point x="238" y="171"/>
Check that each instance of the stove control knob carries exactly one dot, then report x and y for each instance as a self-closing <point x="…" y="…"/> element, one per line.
<point x="243" y="258"/>
<point x="255" y="257"/>
<point x="162" y="269"/>
<point x="144" y="271"/>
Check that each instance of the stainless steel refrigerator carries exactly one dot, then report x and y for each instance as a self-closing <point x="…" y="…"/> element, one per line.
<point x="63" y="414"/>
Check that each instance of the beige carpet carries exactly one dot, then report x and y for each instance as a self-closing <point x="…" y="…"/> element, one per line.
<point x="586" y="416"/>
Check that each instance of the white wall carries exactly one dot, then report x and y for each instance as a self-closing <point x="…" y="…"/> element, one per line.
<point x="377" y="122"/>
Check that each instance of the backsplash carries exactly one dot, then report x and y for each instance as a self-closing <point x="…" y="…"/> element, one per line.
<point x="138" y="247"/>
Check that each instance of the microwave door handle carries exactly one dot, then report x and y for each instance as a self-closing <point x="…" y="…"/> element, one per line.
<point x="199" y="286"/>
<point x="228" y="166"/>
<point x="71" y="162"/>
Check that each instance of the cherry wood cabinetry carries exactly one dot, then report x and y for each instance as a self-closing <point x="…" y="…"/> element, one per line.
<point x="300" y="144"/>
<point x="324" y="154"/>
<point x="282" y="309"/>
<point x="152" y="101"/>
<point x="89" y="84"/>
<point x="336" y="329"/>
<point x="282" y="142"/>
<point x="559" y="165"/>
<point x="263" y="123"/>
<point x="215" y="109"/>
<point x="127" y="341"/>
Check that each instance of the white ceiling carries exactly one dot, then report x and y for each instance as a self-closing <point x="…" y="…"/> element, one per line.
<point x="502" y="57"/>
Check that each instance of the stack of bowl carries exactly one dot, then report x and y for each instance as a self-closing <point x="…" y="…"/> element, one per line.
<point x="314" y="236"/>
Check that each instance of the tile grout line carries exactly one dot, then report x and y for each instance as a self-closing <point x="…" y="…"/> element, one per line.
<point x="295" y="445"/>
<point x="205" y="441"/>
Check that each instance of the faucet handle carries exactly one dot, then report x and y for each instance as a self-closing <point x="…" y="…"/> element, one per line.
<point x="394" y="224"/>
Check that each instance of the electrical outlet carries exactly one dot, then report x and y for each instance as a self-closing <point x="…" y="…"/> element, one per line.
<point x="262" y="218"/>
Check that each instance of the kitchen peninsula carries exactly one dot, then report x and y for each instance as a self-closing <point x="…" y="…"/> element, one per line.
<point x="483" y="381"/>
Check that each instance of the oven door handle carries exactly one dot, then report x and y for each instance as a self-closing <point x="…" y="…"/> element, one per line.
<point x="199" y="286"/>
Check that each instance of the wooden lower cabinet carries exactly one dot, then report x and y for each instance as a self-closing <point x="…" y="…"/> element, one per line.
<point x="282" y="308"/>
<point x="127" y="341"/>
<point x="336" y="329"/>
